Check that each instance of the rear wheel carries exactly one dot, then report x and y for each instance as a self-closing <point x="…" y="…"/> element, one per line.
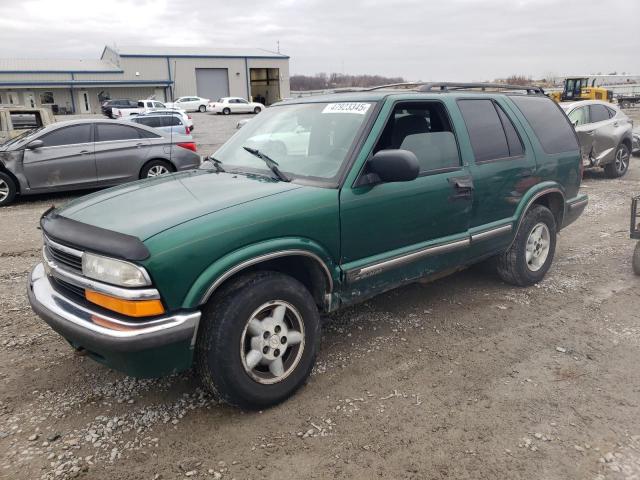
<point x="258" y="340"/>
<point x="8" y="189"/>
<point x="531" y="253"/>
<point x="202" y="109"/>
<point x="226" y="111"/>
<point x="620" y="164"/>
<point x="156" y="168"/>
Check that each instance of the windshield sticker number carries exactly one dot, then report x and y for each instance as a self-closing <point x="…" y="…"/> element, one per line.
<point x="353" y="107"/>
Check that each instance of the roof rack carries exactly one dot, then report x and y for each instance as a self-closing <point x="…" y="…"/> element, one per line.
<point x="447" y="86"/>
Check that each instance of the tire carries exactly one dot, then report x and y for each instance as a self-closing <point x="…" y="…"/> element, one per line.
<point x="620" y="164"/>
<point x="257" y="110"/>
<point x="202" y="108"/>
<point x="513" y="266"/>
<point x="224" y="347"/>
<point x="8" y="189"/>
<point x="155" y="168"/>
<point x="226" y="111"/>
<point x="636" y="259"/>
<point x="625" y="104"/>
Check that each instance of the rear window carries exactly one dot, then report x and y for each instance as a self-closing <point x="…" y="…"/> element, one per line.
<point x="25" y="121"/>
<point x="550" y="125"/>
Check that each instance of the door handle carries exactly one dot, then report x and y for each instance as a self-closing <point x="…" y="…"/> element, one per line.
<point x="84" y="152"/>
<point x="138" y="145"/>
<point x="615" y="124"/>
<point x="463" y="186"/>
<point x="589" y="132"/>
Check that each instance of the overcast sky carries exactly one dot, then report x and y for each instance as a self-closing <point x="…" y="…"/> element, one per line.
<point x="416" y="39"/>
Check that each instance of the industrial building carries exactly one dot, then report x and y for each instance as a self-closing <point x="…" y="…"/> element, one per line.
<point x="165" y="73"/>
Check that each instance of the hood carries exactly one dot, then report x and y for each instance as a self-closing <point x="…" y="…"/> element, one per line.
<point x="144" y="208"/>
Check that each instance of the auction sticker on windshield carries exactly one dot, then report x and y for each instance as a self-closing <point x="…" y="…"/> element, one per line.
<point x="350" y="107"/>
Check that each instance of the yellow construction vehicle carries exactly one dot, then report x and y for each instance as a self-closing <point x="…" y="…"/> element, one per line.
<point x="582" y="88"/>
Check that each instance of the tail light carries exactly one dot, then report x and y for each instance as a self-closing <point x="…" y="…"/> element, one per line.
<point x="188" y="145"/>
<point x="189" y="117"/>
<point x="186" y="129"/>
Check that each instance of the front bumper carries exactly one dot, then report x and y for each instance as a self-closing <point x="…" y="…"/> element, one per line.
<point x="146" y="348"/>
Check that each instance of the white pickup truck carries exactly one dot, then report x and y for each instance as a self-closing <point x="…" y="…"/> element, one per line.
<point x="143" y="107"/>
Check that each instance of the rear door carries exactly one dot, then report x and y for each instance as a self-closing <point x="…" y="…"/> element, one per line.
<point x="64" y="161"/>
<point x="503" y="169"/>
<point x="120" y="152"/>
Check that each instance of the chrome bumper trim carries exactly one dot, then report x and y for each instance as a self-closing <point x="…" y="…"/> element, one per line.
<point x="66" y="275"/>
<point x="50" y="304"/>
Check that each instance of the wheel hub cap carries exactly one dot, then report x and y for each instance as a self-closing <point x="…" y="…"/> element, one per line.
<point x="4" y="190"/>
<point x="272" y="342"/>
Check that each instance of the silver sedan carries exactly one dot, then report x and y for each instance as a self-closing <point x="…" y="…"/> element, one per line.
<point x="89" y="154"/>
<point x="605" y="135"/>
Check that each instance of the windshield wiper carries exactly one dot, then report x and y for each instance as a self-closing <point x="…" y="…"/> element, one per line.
<point x="217" y="163"/>
<point x="272" y="164"/>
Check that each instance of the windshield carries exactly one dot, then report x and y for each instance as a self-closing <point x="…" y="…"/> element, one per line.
<point x="308" y="140"/>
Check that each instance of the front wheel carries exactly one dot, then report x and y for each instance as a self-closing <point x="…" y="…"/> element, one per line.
<point x="620" y="164"/>
<point x="257" y="110"/>
<point x="258" y="340"/>
<point x="226" y="111"/>
<point x="202" y="108"/>
<point x="156" y="168"/>
<point x="531" y="253"/>
<point x="8" y="189"/>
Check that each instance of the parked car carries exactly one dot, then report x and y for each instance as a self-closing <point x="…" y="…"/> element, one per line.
<point x="229" y="267"/>
<point x="635" y="148"/>
<point x="89" y="154"/>
<point x="227" y="105"/>
<point x="186" y="118"/>
<point x="142" y="106"/>
<point x="171" y="123"/>
<point x="190" y="104"/>
<point x="107" y="107"/>
<point x="604" y="132"/>
<point x="16" y="120"/>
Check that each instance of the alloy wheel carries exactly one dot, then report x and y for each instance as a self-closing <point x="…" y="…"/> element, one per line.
<point x="4" y="190"/>
<point x="157" y="170"/>
<point x="622" y="160"/>
<point x="272" y="342"/>
<point x="537" y="249"/>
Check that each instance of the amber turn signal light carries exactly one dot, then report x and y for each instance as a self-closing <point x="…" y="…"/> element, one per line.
<point x="130" y="308"/>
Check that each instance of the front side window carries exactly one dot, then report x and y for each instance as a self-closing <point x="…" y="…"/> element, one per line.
<point x="579" y="116"/>
<point x="309" y="140"/>
<point x="113" y="132"/>
<point x="424" y="129"/>
<point x="553" y="130"/>
<point x="73" y="135"/>
<point x="598" y="113"/>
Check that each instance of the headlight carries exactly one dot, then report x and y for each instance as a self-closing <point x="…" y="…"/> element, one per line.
<point x="116" y="272"/>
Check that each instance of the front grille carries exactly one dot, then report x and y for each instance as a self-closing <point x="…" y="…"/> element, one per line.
<point x="67" y="288"/>
<point x="64" y="258"/>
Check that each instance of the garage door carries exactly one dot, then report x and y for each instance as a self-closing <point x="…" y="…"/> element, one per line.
<point x="212" y="83"/>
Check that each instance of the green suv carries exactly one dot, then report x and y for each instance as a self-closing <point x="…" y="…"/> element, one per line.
<point x="316" y="204"/>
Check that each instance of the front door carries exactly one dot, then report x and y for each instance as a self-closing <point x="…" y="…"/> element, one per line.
<point x="65" y="160"/>
<point x="392" y="233"/>
<point x="600" y="133"/>
<point x="29" y="100"/>
<point x="84" y="103"/>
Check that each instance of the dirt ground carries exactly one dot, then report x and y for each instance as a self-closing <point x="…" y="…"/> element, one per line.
<point x="463" y="378"/>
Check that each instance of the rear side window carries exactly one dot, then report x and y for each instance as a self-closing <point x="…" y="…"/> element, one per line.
<point x="153" y="122"/>
<point x="612" y="112"/>
<point x="550" y="125"/>
<point x="68" y="136"/>
<point x="598" y="113"/>
<point x="170" y="121"/>
<point x="25" y="121"/>
<point x="488" y="138"/>
<point x="110" y="133"/>
<point x="513" y="139"/>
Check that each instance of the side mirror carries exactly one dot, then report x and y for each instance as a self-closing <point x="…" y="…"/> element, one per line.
<point x="34" y="144"/>
<point x="391" y="166"/>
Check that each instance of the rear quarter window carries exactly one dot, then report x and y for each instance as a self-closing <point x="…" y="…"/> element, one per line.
<point x="550" y="125"/>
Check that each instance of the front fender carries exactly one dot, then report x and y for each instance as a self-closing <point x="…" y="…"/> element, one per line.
<point x="213" y="276"/>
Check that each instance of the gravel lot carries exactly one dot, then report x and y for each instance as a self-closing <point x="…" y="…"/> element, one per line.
<point x="463" y="378"/>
